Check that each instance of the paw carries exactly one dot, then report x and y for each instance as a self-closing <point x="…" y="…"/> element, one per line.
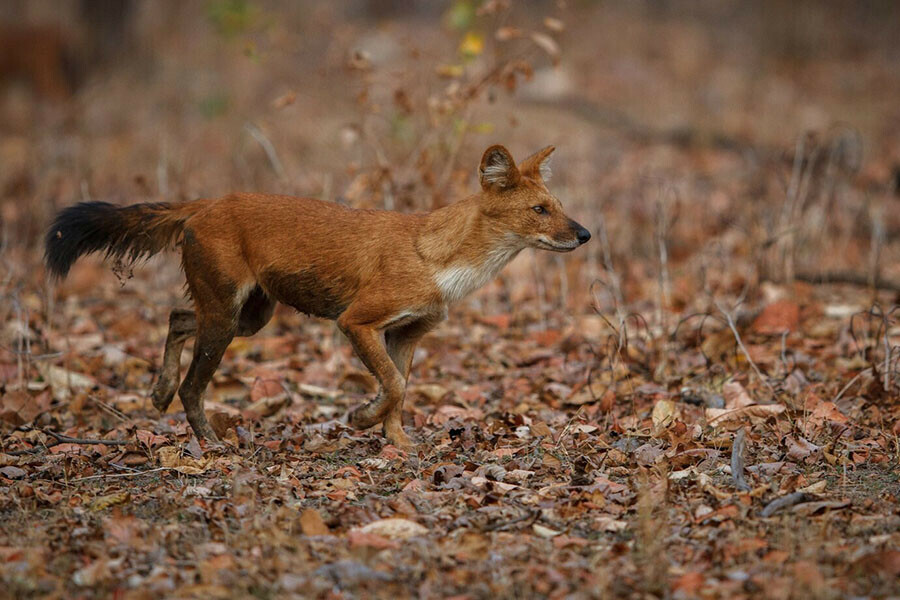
<point x="202" y="428"/>
<point x="162" y="396"/>
<point x="398" y="438"/>
<point x="364" y="417"/>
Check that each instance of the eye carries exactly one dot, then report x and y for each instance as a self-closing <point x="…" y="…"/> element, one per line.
<point x="539" y="210"/>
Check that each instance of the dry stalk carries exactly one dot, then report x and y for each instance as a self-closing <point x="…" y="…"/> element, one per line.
<point x="737" y="336"/>
<point x="267" y="147"/>
<point x="737" y="460"/>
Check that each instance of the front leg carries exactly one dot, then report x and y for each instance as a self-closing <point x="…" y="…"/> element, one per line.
<point x="401" y="346"/>
<point x="367" y="343"/>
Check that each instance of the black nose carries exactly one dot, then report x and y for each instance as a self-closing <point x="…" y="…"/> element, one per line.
<point x="583" y="235"/>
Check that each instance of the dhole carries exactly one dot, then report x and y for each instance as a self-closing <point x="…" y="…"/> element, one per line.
<point x="386" y="277"/>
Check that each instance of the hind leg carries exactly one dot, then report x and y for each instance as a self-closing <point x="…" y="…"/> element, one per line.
<point x="213" y="336"/>
<point x="215" y="280"/>
<point x="182" y="326"/>
<point x="256" y="312"/>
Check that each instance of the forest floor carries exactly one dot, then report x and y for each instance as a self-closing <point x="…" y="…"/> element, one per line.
<point x="700" y="403"/>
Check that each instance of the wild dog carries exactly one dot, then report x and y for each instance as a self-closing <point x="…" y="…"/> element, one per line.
<point x="387" y="278"/>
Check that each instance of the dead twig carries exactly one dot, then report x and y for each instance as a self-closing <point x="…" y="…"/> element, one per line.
<point x="129" y="474"/>
<point x="851" y="382"/>
<point x="849" y="278"/>
<point x="737" y="336"/>
<point x="27" y="452"/>
<point x="781" y="503"/>
<point x="70" y="440"/>
<point x="737" y="460"/>
<point x="267" y="147"/>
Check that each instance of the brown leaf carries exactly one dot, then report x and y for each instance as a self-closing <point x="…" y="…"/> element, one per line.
<point x="150" y="439"/>
<point x="736" y="396"/>
<point x="359" y="538"/>
<point x="18" y="408"/>
<point x="269" y="405"/>
<point x="664" y="412"/>
<point x="778" y="317"/>
<point x="222" y="422"/>
<point x="170" y="456"/>
<point x="311" y="523"/>
<point x="800" y="449"/>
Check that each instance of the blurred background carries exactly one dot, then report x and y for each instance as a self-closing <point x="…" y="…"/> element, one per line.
<point x="717" y="150"/>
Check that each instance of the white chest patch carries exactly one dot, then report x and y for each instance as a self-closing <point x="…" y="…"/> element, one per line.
<point x="459" y="280"/>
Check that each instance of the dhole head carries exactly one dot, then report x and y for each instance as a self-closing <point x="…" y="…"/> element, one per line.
<point x="517" y="201"/>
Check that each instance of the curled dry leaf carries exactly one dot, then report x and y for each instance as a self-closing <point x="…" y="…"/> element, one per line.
<point x="171" y="457"/>
<point x="815" y="488"/>
<point x="544" y="532"/>
<point x="268" y="406"/>
<point x="150" y="439"/>
<point x="664" y="412"/>
<point x="736" y="396"/>
<point x="800" y="449"/>
<point x="394" y="528"/>
<point x="222" y="423"/>
<point x="103" y="502"/>
<point x="432" y="391"/>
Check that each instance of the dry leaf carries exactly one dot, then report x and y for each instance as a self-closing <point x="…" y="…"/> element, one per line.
<point x="171" y="457"/>
<point x="311" y="523"/>
<point x="103" y="502"/>
<point x="544" y="532"/>
<point x="664" y="412"/>
<point x="394" y="529"/>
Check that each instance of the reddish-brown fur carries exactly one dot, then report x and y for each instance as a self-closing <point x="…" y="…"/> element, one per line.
<point x="386" y="277"/>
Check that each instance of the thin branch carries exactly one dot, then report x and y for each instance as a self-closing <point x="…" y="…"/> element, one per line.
<point x="130" y="474"/>
<point x="850" y="278"/>
<point x="746" y="353"/>
<point x="851" y="382"/>
<point x="267" y="146"/>
<point x="737" y="460"/>
<point x="70" y="440"/>
<point x="781" y="503"/>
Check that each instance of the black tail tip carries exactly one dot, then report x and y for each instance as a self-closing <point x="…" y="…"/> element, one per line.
<point x="77" y="230"/>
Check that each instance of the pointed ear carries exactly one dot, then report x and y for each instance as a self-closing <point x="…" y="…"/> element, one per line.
<point x="537" y="166"/>
<point x="498" y="171"/>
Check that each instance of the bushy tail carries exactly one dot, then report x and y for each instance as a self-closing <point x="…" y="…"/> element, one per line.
<point x="121" y="232"/>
